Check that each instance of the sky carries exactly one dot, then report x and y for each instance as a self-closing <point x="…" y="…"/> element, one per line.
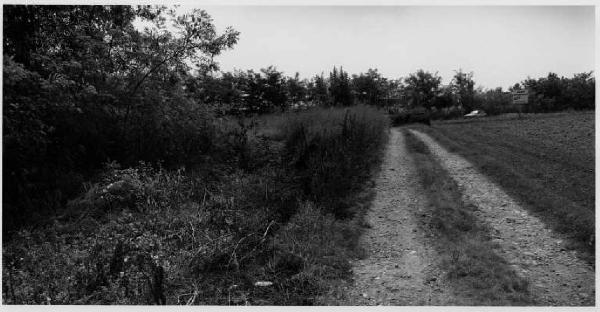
<point x="501" y="45"/>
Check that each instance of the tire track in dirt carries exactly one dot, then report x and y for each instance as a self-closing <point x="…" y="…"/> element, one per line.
<point x="557" y="276"/>
<point x="399" y="269"/>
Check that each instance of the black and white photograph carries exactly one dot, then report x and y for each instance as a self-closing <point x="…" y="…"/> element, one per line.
<point x="290" y="154"/>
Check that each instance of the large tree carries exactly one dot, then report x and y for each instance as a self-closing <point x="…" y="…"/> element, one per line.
<point x="83" y="85"/>
<point x="369" y="87"/>
<point x="421" y="88"/>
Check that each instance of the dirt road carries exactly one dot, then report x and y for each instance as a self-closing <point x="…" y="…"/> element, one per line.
<point x="400" y="268"/>
<point x="557" y="276"/>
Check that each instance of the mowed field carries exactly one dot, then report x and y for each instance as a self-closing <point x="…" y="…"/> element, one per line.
<point x="546" y="161"/>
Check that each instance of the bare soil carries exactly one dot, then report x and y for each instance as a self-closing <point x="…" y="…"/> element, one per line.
<point x="557" y="276"/>
<point x="400" y="267"/>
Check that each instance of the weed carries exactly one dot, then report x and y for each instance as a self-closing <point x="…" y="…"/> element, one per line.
<point x="206" y="234"/>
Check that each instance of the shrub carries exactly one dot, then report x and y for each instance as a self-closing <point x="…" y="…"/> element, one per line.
<point x="332" y="152"/>
<point x="150" y="235"/>
<point x="165" y="234"/>
<point x="413" y="115"/>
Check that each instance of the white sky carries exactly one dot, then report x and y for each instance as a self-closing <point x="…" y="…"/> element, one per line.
<point x="502" y="45"/>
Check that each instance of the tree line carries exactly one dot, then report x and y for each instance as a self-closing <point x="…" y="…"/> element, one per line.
<point x="269" y="90"/>
<point x="84" y="86"/>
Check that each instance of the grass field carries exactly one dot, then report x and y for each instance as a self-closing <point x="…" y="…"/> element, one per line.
<point x="546" y="161"/>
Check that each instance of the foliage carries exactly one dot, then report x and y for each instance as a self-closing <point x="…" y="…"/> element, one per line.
<point x="205" y="235"/>
<point x="494" y="101"/>
<point x="546" y="94"/>
<point x="445" y="98"/>
<point x="247" y="92"/>
<point x="462" y="85"/>
<point x="318" y="90"/>
<point x="332" y="152"/>
<point x="208" y="202"/>
<point x="411" y="115"/>
<point x="369" y="87"/>
<point x="339" y="88"/>
<point x="421" y="88"/>
<point x="297" y="89"/>
<point x="553" y="93"/>
<point x="84" y="86"/>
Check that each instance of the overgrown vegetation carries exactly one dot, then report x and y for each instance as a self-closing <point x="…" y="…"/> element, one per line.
<point x="129" y="179"/>
<point x="136" y="172"/>
<point x="329" y="151"/>
<point x="464" y="244"/>
<point x="83" y="86"/>
<point x="206" y="236"/>
<point x="86" y="85"/>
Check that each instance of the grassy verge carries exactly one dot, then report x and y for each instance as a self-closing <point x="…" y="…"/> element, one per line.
<point x="467" y="253"/>
<point x="267" y="212"/>
<point x="547" y="163"/>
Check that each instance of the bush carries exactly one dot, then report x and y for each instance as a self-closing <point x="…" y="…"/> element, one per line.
<point x="144" y="236"/>
<point x="332" y="152"/>
<point x="413" y="115"/>
<point x="150" y="235"/>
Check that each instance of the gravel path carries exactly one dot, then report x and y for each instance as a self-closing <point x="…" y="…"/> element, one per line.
<point x="399" y="269"/>
<point x="557" y="276"/>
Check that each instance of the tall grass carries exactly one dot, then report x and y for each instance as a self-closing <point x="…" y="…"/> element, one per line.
<point x="333" y="151"/>
<point x="206" y="234"/>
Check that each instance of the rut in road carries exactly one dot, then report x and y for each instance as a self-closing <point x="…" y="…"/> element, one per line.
<point x="399" y="269"/>
<point x="557" y="276"/>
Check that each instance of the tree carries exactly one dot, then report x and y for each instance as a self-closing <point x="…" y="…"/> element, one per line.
<point x="318" y="90"/>
<point x="580" y="91"/>
<point x="463" y="87"/>
<point x="296" y="89"/>
<point x="421" y="88"/>
<point x="444" y="99"/>
<point x="273" y="88"/>
<point x="339" y="88"/>
<point x="553" y="93"/>
<point x="494" y="101"/>
<point x="369" y="87"/>
<point x="83" y="85"/>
